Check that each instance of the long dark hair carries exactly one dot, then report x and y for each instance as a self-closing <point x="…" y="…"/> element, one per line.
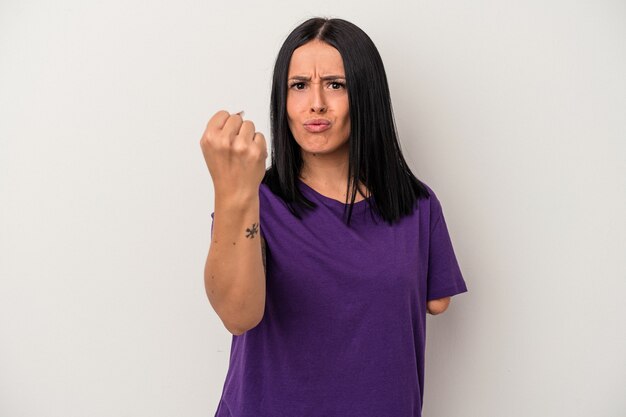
<point x="375" y="156"/>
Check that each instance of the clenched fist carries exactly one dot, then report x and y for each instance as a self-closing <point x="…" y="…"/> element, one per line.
<point x="235" y="155"/>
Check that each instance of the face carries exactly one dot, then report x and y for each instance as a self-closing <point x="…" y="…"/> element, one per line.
<point x="317" y="100"/>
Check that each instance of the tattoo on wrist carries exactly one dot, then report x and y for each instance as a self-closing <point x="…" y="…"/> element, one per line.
<point x="251" y="231"/>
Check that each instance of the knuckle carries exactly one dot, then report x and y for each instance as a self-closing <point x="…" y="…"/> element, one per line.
<point x="223" y="146"/>
<point x="207" y="138"/>
<point x="238" y="148"/>
<point x="254" y="152"/>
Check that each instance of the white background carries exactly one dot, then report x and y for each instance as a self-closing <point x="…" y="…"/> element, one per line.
<point x="513" y="112"/>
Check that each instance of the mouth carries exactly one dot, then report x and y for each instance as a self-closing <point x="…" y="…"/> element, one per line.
<point x="317" y="125"/>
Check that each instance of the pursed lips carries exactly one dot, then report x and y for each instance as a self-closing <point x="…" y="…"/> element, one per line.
<point x="317" y="125"/>
<point x="317" y="122"/>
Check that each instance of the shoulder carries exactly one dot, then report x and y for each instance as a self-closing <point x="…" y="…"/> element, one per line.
<point x="432" y="197"/>
<point x="266" y="192"/>
<point x="432" y="202"/>
<point x="270" y="202"/>
<point x="263" y="189"/>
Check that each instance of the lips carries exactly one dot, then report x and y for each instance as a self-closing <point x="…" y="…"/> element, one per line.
<point x="317" y="125"/>
<point x="317" y="122"/>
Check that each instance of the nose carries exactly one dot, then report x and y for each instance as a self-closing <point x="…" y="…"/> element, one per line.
<point x="318" y="101"/>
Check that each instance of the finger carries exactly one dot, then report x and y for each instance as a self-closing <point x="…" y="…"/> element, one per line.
<point x="259" y="140"/>
<point x="233" y="124"/>
<point x="217" y="121"/>
<point x="246" y="133"/>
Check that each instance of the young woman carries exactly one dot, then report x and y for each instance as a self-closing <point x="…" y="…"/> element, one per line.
<point x="324" y="265"/>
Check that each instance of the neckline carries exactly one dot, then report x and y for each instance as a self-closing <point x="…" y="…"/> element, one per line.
<point x="332" y="200"/>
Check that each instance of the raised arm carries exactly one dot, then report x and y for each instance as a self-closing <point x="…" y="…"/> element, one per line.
<point x="234" y="272"/>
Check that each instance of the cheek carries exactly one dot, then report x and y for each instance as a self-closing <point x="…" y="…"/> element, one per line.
<point x="289" y="110"/>
<point x="345" y="109"/>
<point x="294" y="101"/>
<point x="292" y="118"/>
<point x="346" y="118"/>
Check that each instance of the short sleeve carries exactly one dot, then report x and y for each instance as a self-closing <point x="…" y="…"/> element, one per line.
<point x="444" y="274"/>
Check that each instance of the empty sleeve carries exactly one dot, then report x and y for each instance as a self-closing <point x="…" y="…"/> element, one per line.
<point x="444" y="277"/>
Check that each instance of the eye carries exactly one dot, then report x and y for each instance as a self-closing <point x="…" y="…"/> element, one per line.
<point x="296" y="84"/>
<point x="337" y="83"/>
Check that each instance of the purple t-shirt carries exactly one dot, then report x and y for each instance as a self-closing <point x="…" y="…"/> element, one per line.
<point x="343" y="332"/>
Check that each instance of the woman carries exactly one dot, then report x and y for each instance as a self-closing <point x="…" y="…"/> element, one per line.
<point x="328" y="307"/>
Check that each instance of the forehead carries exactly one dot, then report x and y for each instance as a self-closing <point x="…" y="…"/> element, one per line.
<point x="315" y="57"/>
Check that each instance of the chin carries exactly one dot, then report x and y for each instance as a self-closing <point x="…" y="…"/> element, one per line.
<point x="313" y="144"/>
<point x="326" y="148"/>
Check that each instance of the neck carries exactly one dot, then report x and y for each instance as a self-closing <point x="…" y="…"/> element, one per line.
<point x="326" y="170"/>
<point x="327" y="173"/>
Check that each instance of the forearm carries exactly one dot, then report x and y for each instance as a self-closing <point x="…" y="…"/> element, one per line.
<point x="234" y="274"/>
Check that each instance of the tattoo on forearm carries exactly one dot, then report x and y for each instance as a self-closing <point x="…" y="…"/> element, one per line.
<point x="252" y="230"/>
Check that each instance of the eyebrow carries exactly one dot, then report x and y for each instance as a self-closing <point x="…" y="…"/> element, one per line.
<point x="324" y="78"/>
